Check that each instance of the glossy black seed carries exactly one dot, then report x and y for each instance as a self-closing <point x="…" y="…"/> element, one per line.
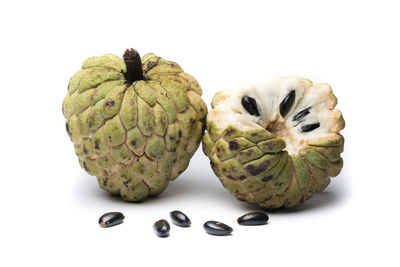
<point x="180" y="219"/>
<point x="253" y="218"/>
<point x="287" y="103"/>
<point x="161" y="228"/>
<point x="217" y="228"/>
<point x="111" y="218"/>
<point x="309" y="127"/>
<point x="302" y="114"/>
<point x="250" y="105"/>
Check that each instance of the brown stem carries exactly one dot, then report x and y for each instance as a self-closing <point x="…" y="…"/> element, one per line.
<point x="134" y="71"/>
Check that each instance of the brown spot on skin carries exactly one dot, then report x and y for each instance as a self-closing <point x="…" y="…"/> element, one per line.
<point x="110" y="103"/>
<point x="152" y="64"/>
<point x="171" y="138"/>
<point x="278" y="184"/>
<point x="233" y="145"/>
<point x="174" y="161"/>
<point x="242" y="177"/>
<point x="268" y="198"/>
<point x="254" y="134"/>
<point x="84" y="150"/>
<point x="230" y="132"/>
<point x="249" y="152"/>
<point x="180" y="133"/>
<point x="230" y="177"/>
<point x="255" y="170"/>
<point x="133" y="142"/>
<point x="105" y="182"/>
<point x="85" y="167"/>
<point x="270" y="145"/>
<point x="224" y="169"/>
<point x="96" y="145"/>
<point x="267" y="178"/>
<point x="68" y="130"/>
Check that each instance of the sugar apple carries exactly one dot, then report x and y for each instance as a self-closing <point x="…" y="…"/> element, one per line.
<point x="275" y="142"/>
<point x="134" y="125"/>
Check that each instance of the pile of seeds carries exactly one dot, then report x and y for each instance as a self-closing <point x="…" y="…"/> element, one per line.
<point x="161" y="227"/>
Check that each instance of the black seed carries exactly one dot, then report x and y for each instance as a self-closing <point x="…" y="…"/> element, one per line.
<point x="180" y="219"/>
<point x="287" y="103"/>
<point x="309" y="127"/>
<point x="301" y="114"/>
<point x="253" y="218"/>
<point x="111" y="218"/>
<point x="250" y="105"/>
<point x="217" y="228"/>
<point x="161" y="228"/>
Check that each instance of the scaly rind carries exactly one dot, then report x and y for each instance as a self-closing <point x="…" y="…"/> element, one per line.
<point x="153" y="65"/>
<point x="193" y="83"/>
<point x="263" y="181"/>
<point x="277" y="182"/>
<point x="113" y="100"/>
<point x="90" y="78"/>
<point x="129" y="109"/>
<point x="180" y="98"/>
<point x="207" y="145"/>
<point x="134" y="138"/>
<point x="164" y="100"/>
<point x="106" y="61"/>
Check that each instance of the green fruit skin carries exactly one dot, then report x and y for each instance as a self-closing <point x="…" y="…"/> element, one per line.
<point x="255" y="168"/>
<point x="134" y="138"/>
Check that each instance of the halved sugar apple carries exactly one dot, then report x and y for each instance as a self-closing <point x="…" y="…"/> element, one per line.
<point x="134" y="125"/>
<point x="275" y="142"/>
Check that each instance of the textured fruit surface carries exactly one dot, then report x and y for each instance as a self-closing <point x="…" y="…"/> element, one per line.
<point x="134" y="127"/>
<point x="276" y="142"/>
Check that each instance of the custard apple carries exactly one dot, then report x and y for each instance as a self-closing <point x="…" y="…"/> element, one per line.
<point x="135" y="123"/>
<point x="275" y="142"/>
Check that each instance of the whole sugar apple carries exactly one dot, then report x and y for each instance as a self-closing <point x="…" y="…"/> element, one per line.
<point x="275" y="142"/>
<point x="135" y="123"/>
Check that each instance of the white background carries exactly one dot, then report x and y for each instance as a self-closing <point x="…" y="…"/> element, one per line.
<point x="50" y="206"/>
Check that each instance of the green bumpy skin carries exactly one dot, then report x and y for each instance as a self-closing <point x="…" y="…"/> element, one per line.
<point x="135" y="138"/>
<point x="253" y="162"/>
